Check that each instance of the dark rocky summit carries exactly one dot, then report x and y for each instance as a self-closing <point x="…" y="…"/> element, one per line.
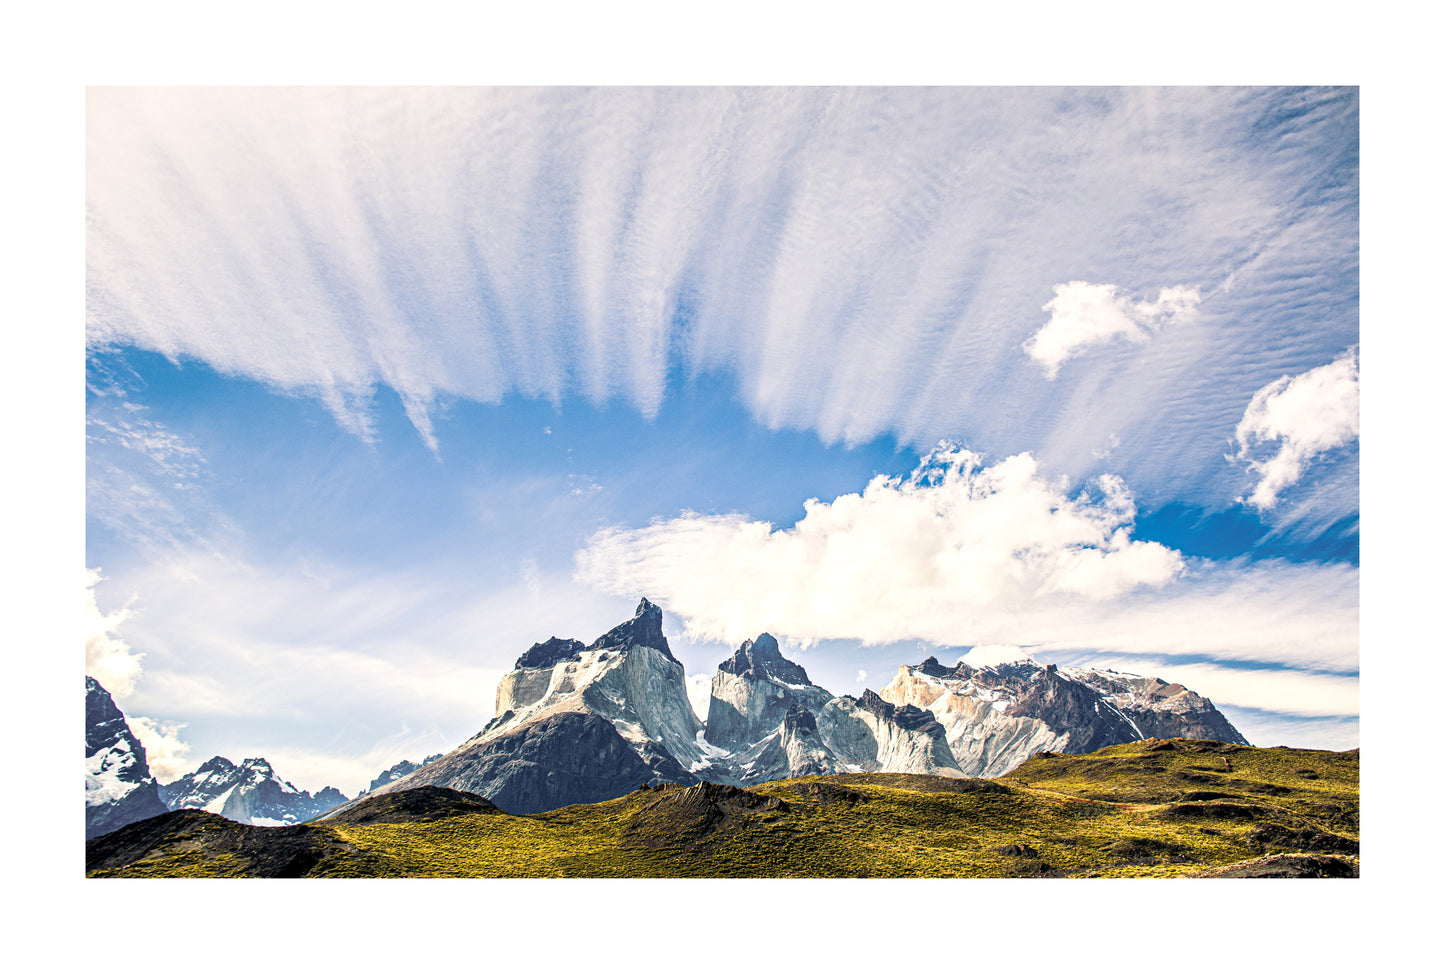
<point x="761" y="659"/>
<point x="643" y="629"/>
<point x="550" y="653"/>
<point x="908" y="717"/>
<point x="119" y="788"/>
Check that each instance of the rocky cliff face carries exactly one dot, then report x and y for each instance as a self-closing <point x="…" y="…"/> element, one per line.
<point x="772" y="722"/>
<point x="753" y="691"/>
<point x="251" y="793"/>
<point x="575" y="723"/>
<point x="997" y="717"/>
<point x="870" y="734"/>
<point x="119" y="788"/>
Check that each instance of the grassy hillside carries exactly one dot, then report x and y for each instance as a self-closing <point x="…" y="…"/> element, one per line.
<point x="1161" y="808"/>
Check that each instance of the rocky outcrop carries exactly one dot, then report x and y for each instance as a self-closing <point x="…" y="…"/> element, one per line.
<point x="643" y="630"/>
<point x="119" y="788"/>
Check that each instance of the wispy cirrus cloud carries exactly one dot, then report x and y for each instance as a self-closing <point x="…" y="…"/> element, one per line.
<point x="858" y="262"/>
<point x="1307" y="414"/>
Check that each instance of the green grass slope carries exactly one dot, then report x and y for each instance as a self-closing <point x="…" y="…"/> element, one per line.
<point x="1161" y="808"/>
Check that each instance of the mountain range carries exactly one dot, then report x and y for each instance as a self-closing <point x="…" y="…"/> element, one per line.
<point x="581" y="723"/>
<point x="250" y="793"/>
<point x="578" y="723"/>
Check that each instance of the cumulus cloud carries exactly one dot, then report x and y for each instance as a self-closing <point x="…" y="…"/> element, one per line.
<point x="107" y="657"/>
<point x="1306" y="415"/>
<point x="995" y="560"/>
<point x="862" y="677"/>
<point x="165" y="750"/>
<point x="1082" y="315"/>
<point x="945" y="553"/>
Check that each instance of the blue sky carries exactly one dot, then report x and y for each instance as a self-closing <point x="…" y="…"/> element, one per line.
<point x="386" y="385"/>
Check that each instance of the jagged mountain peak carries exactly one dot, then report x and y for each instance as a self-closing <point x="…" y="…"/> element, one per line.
<point x="119" y="788"/>
<point x="906" y="716"/>
<point x="761" y="658"/>
<point x="643" y="629"/>
<point x="932" y="667"/>
<point x="550" y="653"/>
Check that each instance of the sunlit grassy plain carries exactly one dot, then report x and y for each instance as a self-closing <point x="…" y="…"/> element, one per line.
<point x="1149" y="809"/>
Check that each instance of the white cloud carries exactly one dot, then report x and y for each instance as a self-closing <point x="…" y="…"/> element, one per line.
<point x="993" y="654"/>
<point x="1082" y="315"/>
<point x="996" y="560"/>
<point x="1307" y="415"/>
<point x="107" y="657"/>
<point x="699" y="693"/>
<point x="1263" y="728"/>
<point x="858" y="262"/>
<point x="165" y="750"/>
<point x="945" y="554"/>
<point x="168" y="453"/>
<point x="862" y="677"/>
<point x="304" y="657"/>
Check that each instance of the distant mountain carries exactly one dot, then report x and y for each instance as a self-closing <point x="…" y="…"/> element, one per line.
<point x="251" y="793"/>
<point x="398" y="771"/>
<point x="582" y="723"/>
<point x="997" y="717"/>
<point x="119" y="788"/>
